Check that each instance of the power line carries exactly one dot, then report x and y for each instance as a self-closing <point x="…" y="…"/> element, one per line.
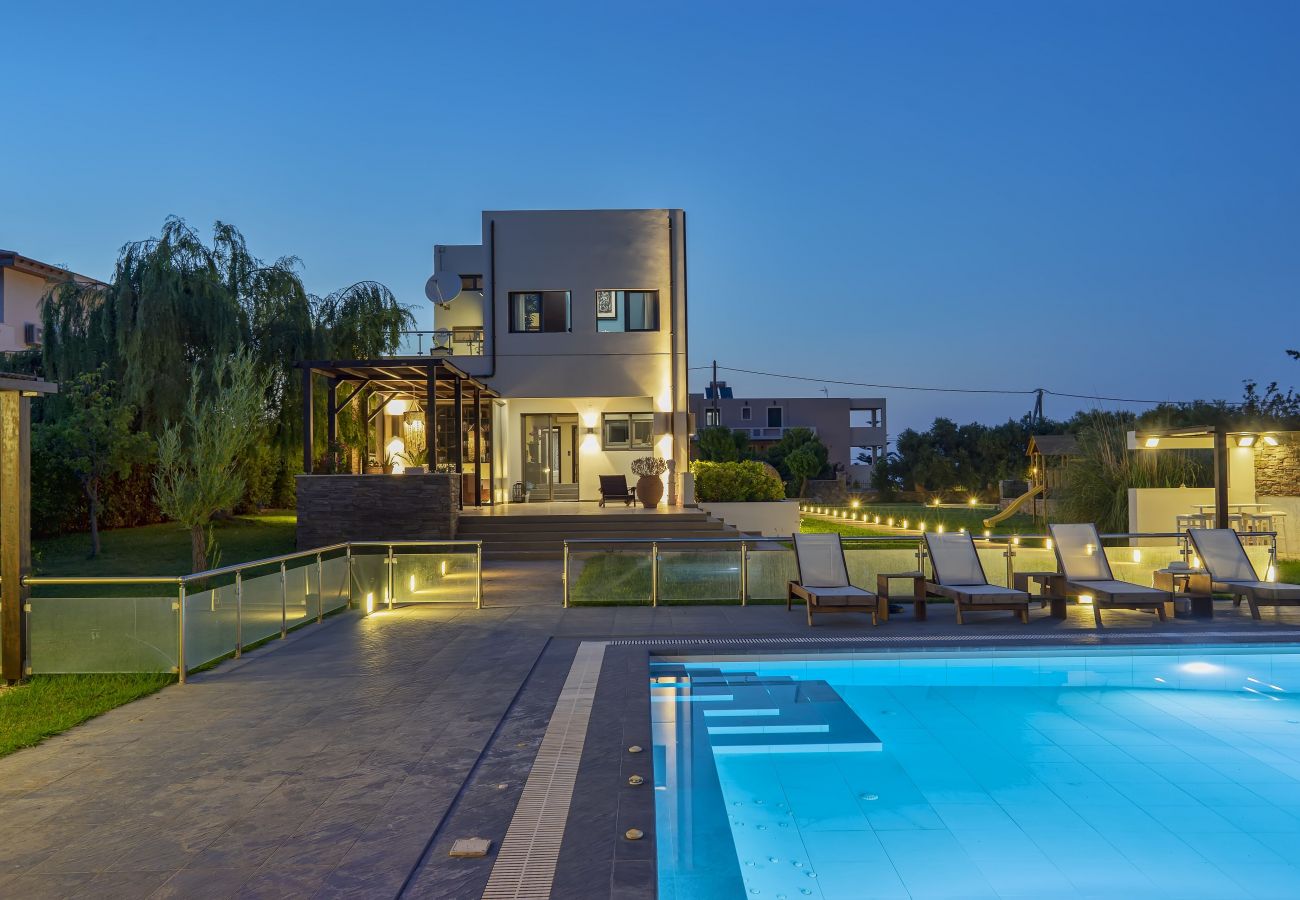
<point x="942" y="390"/>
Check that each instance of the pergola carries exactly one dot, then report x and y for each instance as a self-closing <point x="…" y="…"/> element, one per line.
<point x="416" y="379"/>
<point x="1209" y="437"/>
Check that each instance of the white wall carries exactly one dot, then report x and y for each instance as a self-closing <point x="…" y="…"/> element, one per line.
<point x="779" y="518"/>
<point x="21" y="303"/>
<point x="1288" y="528"/>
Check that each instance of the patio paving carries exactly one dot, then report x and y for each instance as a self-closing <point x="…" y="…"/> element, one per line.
<point x="332" y="764"/>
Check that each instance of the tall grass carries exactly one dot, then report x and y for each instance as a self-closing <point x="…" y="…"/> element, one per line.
<point x="1097" y="482"/>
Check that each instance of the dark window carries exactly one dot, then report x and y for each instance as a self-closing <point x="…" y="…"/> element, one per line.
<point x="627" y="311"/>
<point x="471" y="283"/>
<point x="774" y="417"/>
<point x="746" y="413"/>
<point x="627" y="431"/>
<point x="539" y="311"/>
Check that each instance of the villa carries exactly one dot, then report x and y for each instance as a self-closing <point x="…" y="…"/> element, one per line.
<point x="23" y="282"/>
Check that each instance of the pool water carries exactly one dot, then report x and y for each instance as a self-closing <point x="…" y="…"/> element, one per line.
<point x="1032" y="774"/>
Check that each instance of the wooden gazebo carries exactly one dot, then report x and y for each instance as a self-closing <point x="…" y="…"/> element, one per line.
<point x="442" y="391"/>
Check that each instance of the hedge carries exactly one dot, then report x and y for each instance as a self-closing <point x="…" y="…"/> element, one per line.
<point x="736" y="482"/>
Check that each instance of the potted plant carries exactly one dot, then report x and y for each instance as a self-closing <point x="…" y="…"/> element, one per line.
<point x="649" y="489"/>
<point x="372" y="465"/>
<point x="416" y="461"/>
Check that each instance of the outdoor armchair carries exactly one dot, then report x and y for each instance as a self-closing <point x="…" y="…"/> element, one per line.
<point x="959" y="576"/>
<point x="1087" y="573"/>
<point x="614" y="487"/>
<point x="1230" y="571"/>
<point x="823" y="580"/>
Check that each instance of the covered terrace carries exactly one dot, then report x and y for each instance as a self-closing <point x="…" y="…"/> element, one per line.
<point x="407" y="404"/>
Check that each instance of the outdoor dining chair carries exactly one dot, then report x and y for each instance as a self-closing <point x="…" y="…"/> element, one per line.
<point x="823" y="579"/>
<point x="959" y="576"/>
<point x="1087" y="573"/>
<point x="1231" y="571"/>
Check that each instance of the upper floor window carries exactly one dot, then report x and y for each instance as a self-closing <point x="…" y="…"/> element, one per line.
<point x="774" y="417"/>
<point x="746" y="413"/>
<point x="711" y="416"/>
<point x="471" y="283"/>
<point x="627" y="311"/>
<point x="539" y="311"/>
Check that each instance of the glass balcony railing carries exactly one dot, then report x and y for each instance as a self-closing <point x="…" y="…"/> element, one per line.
<point x="442" y="342"/>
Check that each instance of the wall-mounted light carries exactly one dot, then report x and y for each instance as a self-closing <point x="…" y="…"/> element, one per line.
<point x="1152" y="442"/>
<point x="1270" y="440"/>
<point x="396" y="407"/>
<point x="1246" y="440"/>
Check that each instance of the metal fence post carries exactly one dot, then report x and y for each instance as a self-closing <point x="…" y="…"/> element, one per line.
<point x="744" y="573"/>
<point x="654" y="573"/>
<point x="180" y="632"/>
<point x="349" y="565"/>
<point x="565" y="575"/>
<point x="391" y="565"/>
<point x="239" y="613"/>
<point x="1010" y="554"/>
<point x="320" y="590"/>
<point x="284" y="604"/>
<point x="478" y="582"/>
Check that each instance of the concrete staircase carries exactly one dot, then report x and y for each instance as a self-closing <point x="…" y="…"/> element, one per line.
<point x="525" y="536"/>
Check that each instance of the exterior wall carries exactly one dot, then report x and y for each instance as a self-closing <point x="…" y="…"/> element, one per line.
<point x="579" y="251"/>
<point x="1277" y="469"/>
<point x="20" y="302"/>
<point x="399" y="507"/>
<point x="830" y="417"/>
<point x="779" y="518"/>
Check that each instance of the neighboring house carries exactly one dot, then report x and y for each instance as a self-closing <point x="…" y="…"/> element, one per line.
<point x="577" y="319"/>
<point x="23" y="282"/>
<point x="853" y="429"/>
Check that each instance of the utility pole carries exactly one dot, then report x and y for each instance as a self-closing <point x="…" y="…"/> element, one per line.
<point x="716" y="417"/>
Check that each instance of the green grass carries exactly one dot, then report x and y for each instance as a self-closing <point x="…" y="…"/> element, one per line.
<point x="814" y="525"/>
<point x="1288" y="571"/>
<point x="49" y="704"/>
<point x="164" y="549"/>
<point x="951" y="518"/>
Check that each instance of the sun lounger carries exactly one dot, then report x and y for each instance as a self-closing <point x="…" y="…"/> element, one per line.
<point x="823" y="582"/>
<point x="959" y="576"/>
<point x="1231" y="572"/>
<point x="1087" y="573"/>
<point x="614" y="487"/>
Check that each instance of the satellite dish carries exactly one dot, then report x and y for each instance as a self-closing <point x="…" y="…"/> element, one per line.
<point x="442" y="287"/>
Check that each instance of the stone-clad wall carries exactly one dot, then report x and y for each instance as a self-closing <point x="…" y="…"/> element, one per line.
<point x="337" y="508"/>
<point x="1277" y="470"/>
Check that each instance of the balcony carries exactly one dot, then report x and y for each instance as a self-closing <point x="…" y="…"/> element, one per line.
<point x="460" y="341"/>
<point x="774" y="433"/>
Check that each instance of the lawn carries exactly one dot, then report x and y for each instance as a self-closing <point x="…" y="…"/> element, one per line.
<point x="951" y="518"/>
<point x="165" y="549"/>
<point x="49" y="704"/>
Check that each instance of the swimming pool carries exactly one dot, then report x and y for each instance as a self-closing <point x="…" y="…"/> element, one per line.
<point x="1169" y="771"/>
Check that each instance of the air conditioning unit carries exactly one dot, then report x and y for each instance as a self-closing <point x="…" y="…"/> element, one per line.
<point x="33" y="334"/>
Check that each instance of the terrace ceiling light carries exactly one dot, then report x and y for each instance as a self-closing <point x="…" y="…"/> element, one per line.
<point x="1152" y="442"/>
<point x="1271" y="440"/>
<point x="1246" y="440"/>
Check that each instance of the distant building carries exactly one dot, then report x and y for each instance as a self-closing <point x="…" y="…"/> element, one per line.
<point x="23" y="282"/>
<point x="853" y="429"/>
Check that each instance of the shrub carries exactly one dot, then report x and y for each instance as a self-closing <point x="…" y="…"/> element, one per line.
<point x="649" y="466"/>
<point x="736" y="482"/>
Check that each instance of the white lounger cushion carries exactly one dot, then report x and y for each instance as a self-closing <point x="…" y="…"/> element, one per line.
<point x="840" y="596"/>
<point x="989" y="593"/>
<point x="1263" y="590"/>
<point x="1120" y="590"/>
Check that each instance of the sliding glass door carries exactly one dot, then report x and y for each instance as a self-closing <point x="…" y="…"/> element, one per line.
<point x="550" y="455"/>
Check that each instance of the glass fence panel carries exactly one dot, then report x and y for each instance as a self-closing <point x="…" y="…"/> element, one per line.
<point x="370" y="578"/>
<point x="709" y="573"/>
<point x="102" y="634"/>
<point x="1138" y="564"/>
<point x="1261" y="560"/>
<point x="301" y="591"/>
<point x="771" y="567"/>
<point x="435" y="577"/>
<point x="610" y="576"/>
<point x="866" y="560"/>
<point x="334" y="573"/>
<point x="261" y="603"/>
<point x="211" y="624"/>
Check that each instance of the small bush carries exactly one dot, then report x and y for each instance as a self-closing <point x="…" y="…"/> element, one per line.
<point x="736" y="482"/>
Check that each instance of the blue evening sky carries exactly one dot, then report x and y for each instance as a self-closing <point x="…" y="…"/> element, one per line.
<point x="1098" y="197"/>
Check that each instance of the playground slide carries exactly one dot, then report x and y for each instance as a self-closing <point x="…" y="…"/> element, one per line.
<point x="1015" y="506"/>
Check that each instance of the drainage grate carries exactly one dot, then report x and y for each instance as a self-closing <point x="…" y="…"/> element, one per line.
<point x="525" y="864"/>
<point x="1083" y="637"/>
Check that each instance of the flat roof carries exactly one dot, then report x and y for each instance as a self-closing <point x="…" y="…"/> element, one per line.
<point x="398" y="374"/>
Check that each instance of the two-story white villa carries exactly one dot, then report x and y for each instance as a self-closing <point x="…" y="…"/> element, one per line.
<point x="577" y="320"/>
<point x="23" y="283"/>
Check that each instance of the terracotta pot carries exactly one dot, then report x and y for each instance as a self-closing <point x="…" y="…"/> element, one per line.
<point x="649" y="490"/>
<point x="374" y="470"/>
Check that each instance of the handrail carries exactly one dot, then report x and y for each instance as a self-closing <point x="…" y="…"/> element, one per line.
<point x="995" y="538"/>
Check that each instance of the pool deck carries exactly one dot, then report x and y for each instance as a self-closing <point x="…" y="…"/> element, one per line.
<point x="343" y="761"/>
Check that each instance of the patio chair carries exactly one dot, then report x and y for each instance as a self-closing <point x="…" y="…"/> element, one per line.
<point x="1087" y="572"/>
<point x="959" y="576"/>
<point x="614" y="487"/>
<point x="823" y="579"/>
<point x="1231" y="572"/>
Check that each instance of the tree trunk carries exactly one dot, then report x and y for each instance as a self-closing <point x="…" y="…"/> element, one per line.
<point x="198" y="549"/>
<point x="92" y="496"/>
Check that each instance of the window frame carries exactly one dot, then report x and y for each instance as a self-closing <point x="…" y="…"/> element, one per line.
<point x="475" y="283"/>
<point x="629" y="419"/>
<point x="712" y="417"/>
<point x="621" y="311"/>
<point x="514" y="297"/>
<point x="780" y="415"/>
<point x="746" y="414"/>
